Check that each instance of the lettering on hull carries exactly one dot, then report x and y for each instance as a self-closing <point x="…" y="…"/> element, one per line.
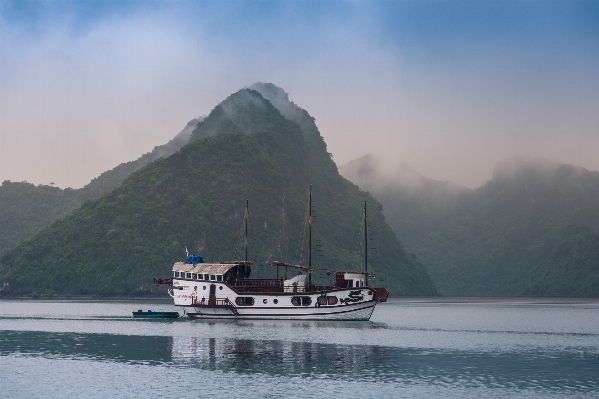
<point x="354" y="296"/>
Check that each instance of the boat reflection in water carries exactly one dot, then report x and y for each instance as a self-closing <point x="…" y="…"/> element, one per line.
<point x="280" y="358"/>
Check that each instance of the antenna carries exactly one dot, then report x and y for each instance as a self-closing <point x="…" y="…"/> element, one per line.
<point x="186" y="252"/>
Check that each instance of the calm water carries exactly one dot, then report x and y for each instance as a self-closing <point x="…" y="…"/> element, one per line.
<point x="411" y="348"/>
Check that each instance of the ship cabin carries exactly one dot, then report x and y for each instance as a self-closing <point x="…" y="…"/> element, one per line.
<point x="345" y="279"/>
<point x="222" y="272"/>
<point x="237" y="276"/>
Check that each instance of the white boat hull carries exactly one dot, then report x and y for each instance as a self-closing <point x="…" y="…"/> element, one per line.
<point x="340" y="304"/>
<point x="360" y="311"/>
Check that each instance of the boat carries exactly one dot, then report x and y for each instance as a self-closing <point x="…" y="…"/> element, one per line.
<point x="156" y="315"/>
<point x="225" y="290"/>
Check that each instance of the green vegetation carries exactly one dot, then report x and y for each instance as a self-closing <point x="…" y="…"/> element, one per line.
<point x="25" y="209"/>
<point x="574" y="266"/>
<point x="245" y="149"/>
<point x="511" y="237"/>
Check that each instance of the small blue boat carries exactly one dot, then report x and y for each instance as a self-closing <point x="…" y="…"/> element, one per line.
<point x="156" y="315"/>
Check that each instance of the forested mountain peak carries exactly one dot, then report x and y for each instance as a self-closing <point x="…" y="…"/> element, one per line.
<point x="245" y="149"/>
<point x="525" y="170"/>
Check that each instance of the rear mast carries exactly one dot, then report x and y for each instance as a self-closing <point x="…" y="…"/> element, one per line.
<point x="310" y="237"/>
<point x="365" y="245"/>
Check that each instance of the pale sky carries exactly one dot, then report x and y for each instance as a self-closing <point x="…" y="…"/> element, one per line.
<point x="448" y="87"/>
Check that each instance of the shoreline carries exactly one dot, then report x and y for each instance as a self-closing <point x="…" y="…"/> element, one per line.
<point x="484" y="299"/>
<point x="407" y="299"/>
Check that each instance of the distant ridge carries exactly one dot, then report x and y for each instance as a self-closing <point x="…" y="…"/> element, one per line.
<point x="532" y="230"/>
<point x="25" y="208"/>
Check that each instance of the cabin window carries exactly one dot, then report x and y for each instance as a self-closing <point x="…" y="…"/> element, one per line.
<point x="327" y="300"/>
<point x="301" y="301"/>
<point x="350" y="283"/>
<point x="175" y="274"/>
<point x="212" y="277"/>
<point x="219" y="278"/>
<point x="244" y="301"/>
<point x="206" y="277"/>
<point x="188" y="275"/>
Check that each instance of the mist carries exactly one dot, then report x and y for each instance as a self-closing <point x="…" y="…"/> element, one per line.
<point x="449" y="89"/>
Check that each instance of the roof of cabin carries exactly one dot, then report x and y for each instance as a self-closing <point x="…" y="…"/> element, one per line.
<point x="206" y="268"/>
<point x="303" y="268"/>
<point x="369" y="274"/>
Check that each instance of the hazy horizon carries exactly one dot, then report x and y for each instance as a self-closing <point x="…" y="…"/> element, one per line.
<point x="448" y="88"/>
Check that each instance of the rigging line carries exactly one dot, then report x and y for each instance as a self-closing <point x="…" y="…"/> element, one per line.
<point x="360" y="242"/>
<point x="300" y="251"/>
<point x="239" y="246"/>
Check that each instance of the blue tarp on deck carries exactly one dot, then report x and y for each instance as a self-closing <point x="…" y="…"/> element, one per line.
<point x="193" y="259"/>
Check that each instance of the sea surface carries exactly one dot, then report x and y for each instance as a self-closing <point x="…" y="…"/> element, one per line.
<point x="412" y="348"/>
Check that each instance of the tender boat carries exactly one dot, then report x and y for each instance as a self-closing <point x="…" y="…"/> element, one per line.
<point x="225" y="290"/>
<point x="157" y="315"/>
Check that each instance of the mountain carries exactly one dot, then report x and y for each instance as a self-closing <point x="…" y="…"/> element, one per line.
<point x="245" y="149"/>
<point x="25" y="209"/>
<point x="114" y="177"/>
<point x="502" y="239"/>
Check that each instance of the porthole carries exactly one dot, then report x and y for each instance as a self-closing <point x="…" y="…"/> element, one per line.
<point x="332" y="300"/>
<point x="264" y="300"/>
<point x="322" y="300"/>
<point x="275" y="301"/>
<point x="204" y="287"/>
<point x="220" y="287"/>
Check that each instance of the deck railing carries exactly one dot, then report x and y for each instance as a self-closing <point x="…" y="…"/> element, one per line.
<point x="216" y="303"/>
<point x="273" y="286"/>
<point x="164" y="282"/>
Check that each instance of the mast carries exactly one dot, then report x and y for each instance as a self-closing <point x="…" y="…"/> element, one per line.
<point x="310" y="236"/>
<point x="247" y="205"/>
<point x="246" y="217"/>
<point x="365" y="245"/>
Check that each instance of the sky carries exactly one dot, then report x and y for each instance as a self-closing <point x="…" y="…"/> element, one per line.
<point x="449" y="88"/>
